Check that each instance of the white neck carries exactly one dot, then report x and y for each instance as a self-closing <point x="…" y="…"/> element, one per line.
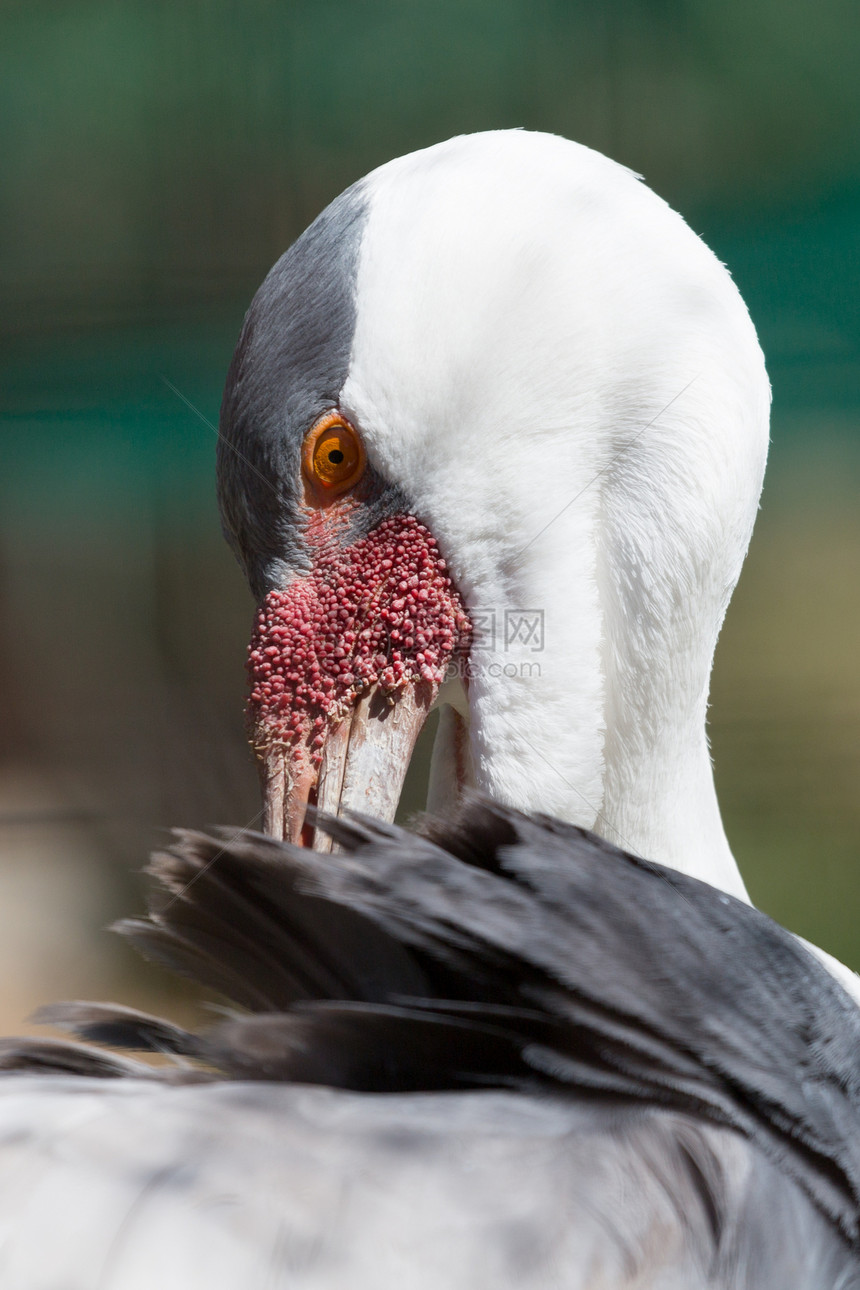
<point x="605" y="724"/>
<point x="631" y="547"/>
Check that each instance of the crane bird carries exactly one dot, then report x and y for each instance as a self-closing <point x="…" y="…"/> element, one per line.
<point x="492" y="439"/>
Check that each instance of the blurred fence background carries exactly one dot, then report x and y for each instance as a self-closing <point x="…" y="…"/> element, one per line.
<point x="157" y="158"/>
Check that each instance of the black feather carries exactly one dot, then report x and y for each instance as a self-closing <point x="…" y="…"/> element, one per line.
<point x="60" y="1057"/>
<point x="112" y="1023"/>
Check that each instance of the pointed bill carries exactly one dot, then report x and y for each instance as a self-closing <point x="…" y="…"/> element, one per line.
<point x="365" y="758"/>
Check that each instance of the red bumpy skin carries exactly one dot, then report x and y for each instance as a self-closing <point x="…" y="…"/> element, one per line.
<point x="382" y="611"/>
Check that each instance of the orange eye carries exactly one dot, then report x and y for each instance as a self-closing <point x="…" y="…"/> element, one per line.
<point x="333" y="455"/>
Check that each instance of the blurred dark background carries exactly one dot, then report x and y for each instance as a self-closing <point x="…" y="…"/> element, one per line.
<point x="156" y="159"/>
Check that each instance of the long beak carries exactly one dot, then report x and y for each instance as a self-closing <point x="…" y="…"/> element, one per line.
<point x="365" y="757"/>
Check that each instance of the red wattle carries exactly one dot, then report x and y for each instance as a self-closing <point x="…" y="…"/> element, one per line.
<point x="382" y="610"/>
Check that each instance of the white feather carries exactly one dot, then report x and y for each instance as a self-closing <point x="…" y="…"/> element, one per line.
<point x="569" y="384"/>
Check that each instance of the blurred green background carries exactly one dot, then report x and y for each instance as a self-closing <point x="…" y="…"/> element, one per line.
<point x="157" y="158"/>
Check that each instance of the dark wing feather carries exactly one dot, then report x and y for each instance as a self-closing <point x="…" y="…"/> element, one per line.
<point x="233" y="913"/>
<point x="60" y="1057"/>
<point x="115" y="1024"/>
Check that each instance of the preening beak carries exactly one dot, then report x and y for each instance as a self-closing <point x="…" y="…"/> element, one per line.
<point x="345" y="665"/>
<point x="365" y="758"/>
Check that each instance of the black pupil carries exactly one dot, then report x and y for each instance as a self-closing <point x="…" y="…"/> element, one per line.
<point x="335" y="456"/>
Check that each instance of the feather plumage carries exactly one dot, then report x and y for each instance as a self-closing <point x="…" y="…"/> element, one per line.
<point x="501" y="952"/>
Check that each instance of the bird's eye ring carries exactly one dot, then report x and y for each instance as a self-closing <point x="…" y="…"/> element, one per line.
<point x="333" y="456"/>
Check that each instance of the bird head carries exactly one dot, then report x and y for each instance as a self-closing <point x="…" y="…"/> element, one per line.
<point x="493" y="437"/>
